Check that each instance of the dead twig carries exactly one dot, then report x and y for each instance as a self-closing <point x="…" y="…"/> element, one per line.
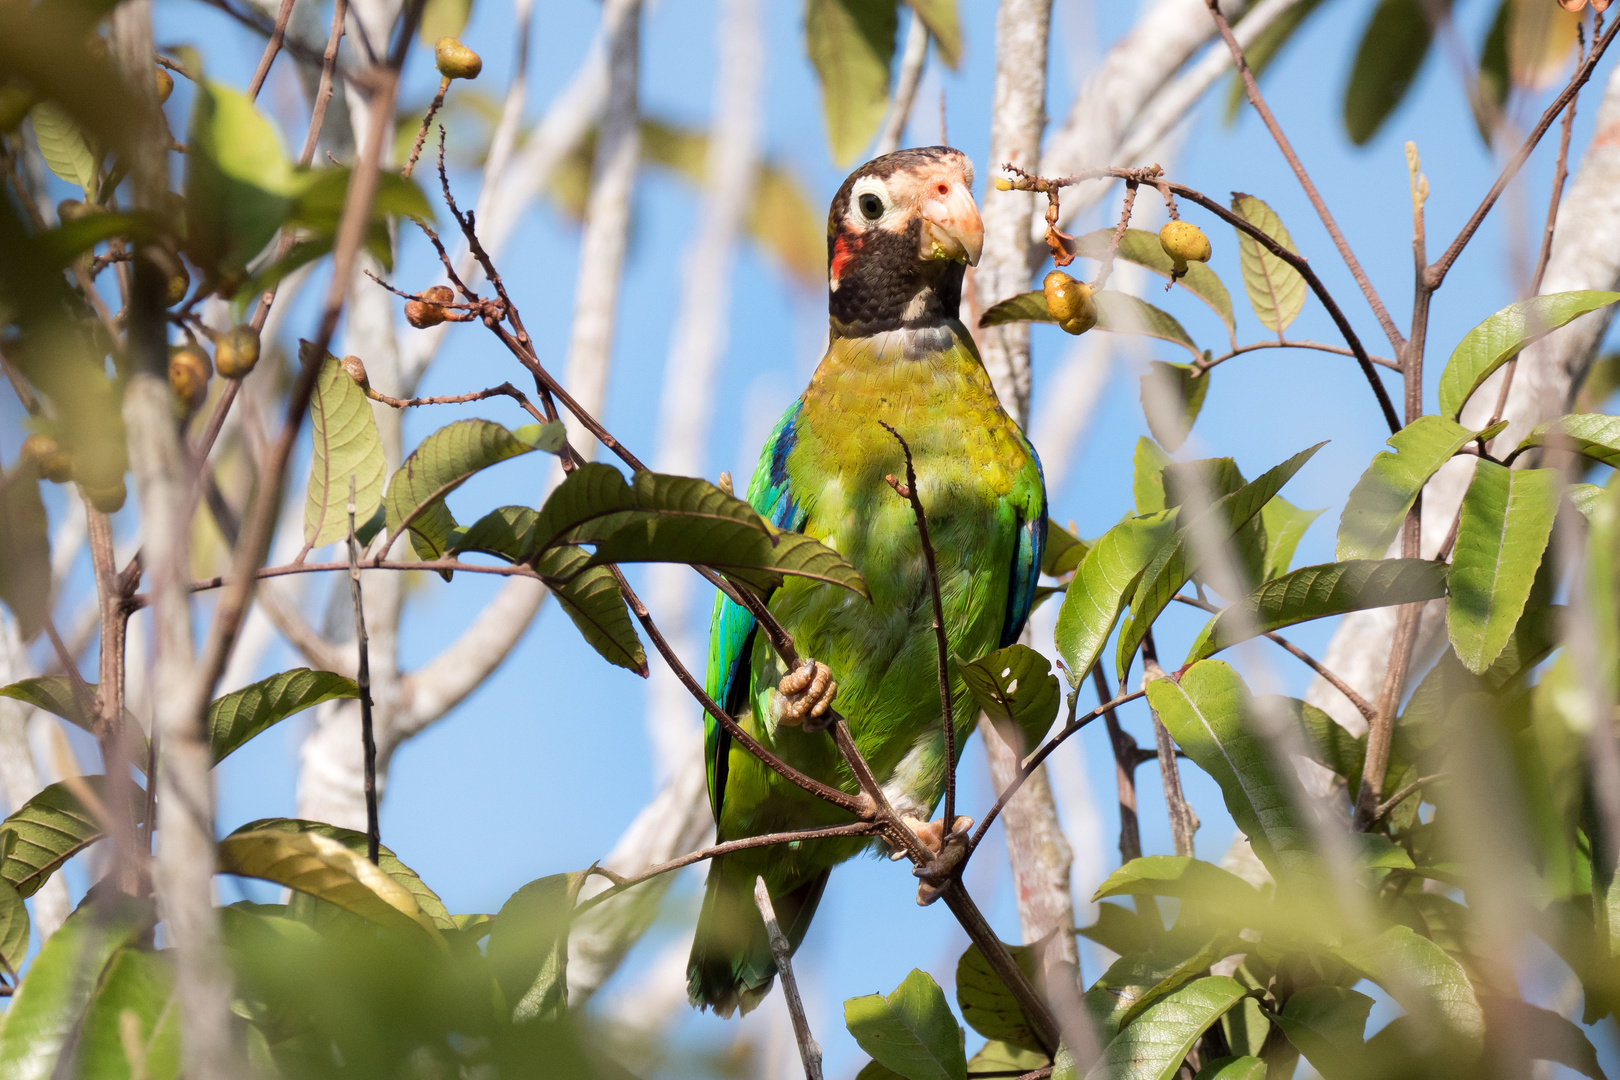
<point x="809" y="1052"/>
<point x="368" y="741"/>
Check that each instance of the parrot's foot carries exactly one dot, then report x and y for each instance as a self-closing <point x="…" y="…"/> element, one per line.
<point x="948" y="850"/>
<point x="806" y="693"/>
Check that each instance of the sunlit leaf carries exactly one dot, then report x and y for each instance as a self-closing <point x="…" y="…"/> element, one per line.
<point x="1121" y="930"/>
<point x="25" y="553"/>
<point x="239" y="185"/>
<point x="239" y="716"/>
<point x="54" y="694"/>
<point x="1233" y="1068"/>
<point x="1199" y="483"/>
<point x="1143" y="248"/>
<point x="997" y="1057"/>
<point x="1285" y="525"/>
<point x="1147" y="476"/>
<point x="1387" y="61"/>
<point x="1024" y="307"/>
<point x="1379" y="501"/>
<point x="440" y="464"/>
<point x="1327" y="742"/>
<point x="13" y="929"/>
<point x="941" y="19"/>
<point x="1103" y="584"/>
<point x="590" y="595"/>
<point x="506" y="532"/>
<point x="1172" y="396"/>
<point x="133" y="1017"/>
<point x="1419" y="975"/>
<point x="443" y="18"/>
<point x="1123" y="313"/>
<point x="1135" y="981"/>
<point x="1504" y="335"/>
<point x="52" y="827"/>
<point x="345" y="444"/>
<point x="1181" y="877"/>
<point x="63" y="146"/>
<point x="1540" y="43"/>
<point x="528" y="947"/>
<point x="1316" y="592"/>
<point x="1015" y="684"/>
<point x="1505" y="523"/>
<point x="1154" y="1046"/>
<point x="987" y="1005"/>
<point x="1063" y="550"/>
<point x="1276" y="290"/>
<point x="1326" y="1024"/>
<point x="851" y="44"/>
<point x="1599" y="384"/>
<point x="911" y="1031"/>
<point x="1593" y="435"/>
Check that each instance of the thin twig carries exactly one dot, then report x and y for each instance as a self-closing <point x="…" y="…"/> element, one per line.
<point x="809" y="1051"/>
<point x="368" y="742"/>
<point x="1401" y="796"/>
<point x="271" y="49"/>
<point x="1292" y="343"/>
<point x="910" y="492"/>
<point x="427" y="122"/>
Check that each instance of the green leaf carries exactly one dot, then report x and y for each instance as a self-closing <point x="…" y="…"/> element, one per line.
<point x="590" y="595"/>
<point x="1285" y="525"/>
<point x="941" y="19"/>
<point x="239" y="185"/>
<point x="1326" y="740"/>
<point x="1147" y="476"/>
<point x="25" y="554"/>
<point x="528" y="947"/>
<point x="1233" y="1068"/>
<point x="1379" y="501"/>
<point x="326" y="869"/>
<point x="1015" y="684"/>
<point x="1103" y="585"/>
<point x="427" y="901"/>
<point x="1327" y="1025"/>
<point x="1135" y="981"/>
<point x="1024" y="307"/>
<point x="318" y="205"/>
<point x="1593" y="435"/>
<point x="1121" y="930"/>
<point x="132" y="1028"/>
<point x="1154" y="1046"/>
<point x="1122" y="313"/>
<point x="1502" y="336"/>
<point x="1421" y="977"/>
<point x="1063" y="550"/>
<point x="1505" y="523"/>
<point x="71" y="239"/>
<point x="591" y="502"/>
<point x="1599" y="384"/>
<point x="987" y="1005"/>
<point x="1391" y="52"/>
<point x="1545" y="1035"/>
<point x="1172" y="396"/>
<point x="911" y="1031"/>
<point x="1585" y="497"/>
<point x="51" y="828"/>
<point x="46" y="1011"/>
<point x="851" y="44"/>
<point x="54" y="694"/>
<point x="346" y="443"/>
<point x="13" y="928"/>
<point x="1143" y="248"/>
<point x="506" y="532"/>
<point x="1181" y="877"/>
<point x="1263" y="50"/>
<point x="873" y="1070"/>
<point x="1276" y="290"/>
<point x="1175" y="563"/>
<point x="1317" y="592"/>
<point x="443" y="18"/>
<point x="239" y="716"/>
<point x="442" y="463"/>
<point x="999" y="1057"/>
<point x="1200" y="483"/>
<point x="1209" y="712"/>
<point x="64" y="146"/>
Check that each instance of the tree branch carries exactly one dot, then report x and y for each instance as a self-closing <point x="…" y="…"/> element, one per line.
<point x="809" y="1052"/>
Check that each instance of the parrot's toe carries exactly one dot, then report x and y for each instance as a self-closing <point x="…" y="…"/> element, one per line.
<point x="806" y="693"/>
<point x="948" y="850"/>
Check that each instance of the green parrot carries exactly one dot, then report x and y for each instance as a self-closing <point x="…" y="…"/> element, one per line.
<point x="899" y="235"/>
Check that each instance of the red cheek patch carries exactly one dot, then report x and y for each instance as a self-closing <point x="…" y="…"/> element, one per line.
<point x="844" y="249"/>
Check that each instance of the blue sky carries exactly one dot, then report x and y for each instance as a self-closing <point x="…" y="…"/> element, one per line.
<point x="540" y="770"/>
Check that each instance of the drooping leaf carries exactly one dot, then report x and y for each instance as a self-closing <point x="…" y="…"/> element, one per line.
<point x="1317" y="592"/>
<point x="1175" y="563"/>
<point x="1264" y="49"/>
<point x="1143" y="248"/>
<point x="13" y="929"/>
<point x="590" y="595"/>
<point x="1276" y="290"/>
<point x="1504" y="335"/>
<point x="239" y="716"/>
<point x="851" y="44"/>
<point x="346" y="443"/>
<point x="987" y="1005"/>
<point x="1379" y="501"/>
<point x="1172" y="397"/>
<point x="911" y="1031"/>
<point x="64" y="146"/>
<point x="25" y="554"/>
<point x="1209" y="712"/>
<point x="1135" y="981"/>
<point x="1420" y="976"/>
<point x="132" y="1027"/>
<point x="1015" y="684"/>
<point x="1285" y="525"/>
<point x="1327" y="1025"/>
<point x="1123" y="313"/>
<point x="1063" y="550"/>
<point x="442" y="463"/>
<point x="327" y="870"/>
<point x="1103" y="585"/>
<point x="1154" y="1046"/>
<point x="1505" y="523"/>
<point x="51" y="828"/>
<point x="941" y="19"/>
<point x="1593" y="435"/>
<point x="1147" y="476"/>
<point x="528" y="947"/>
<point x="507" y="532"/>
<point x="427" y="901"/>
<point x="1387" y="61"/>
<point x="49" y="1005"/>
<point x="1024" y="307"/>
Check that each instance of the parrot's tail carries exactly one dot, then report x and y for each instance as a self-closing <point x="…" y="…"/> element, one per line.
<point x="731" y="967"/>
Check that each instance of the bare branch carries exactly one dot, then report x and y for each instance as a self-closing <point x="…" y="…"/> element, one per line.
<point x="809" y="1052"/>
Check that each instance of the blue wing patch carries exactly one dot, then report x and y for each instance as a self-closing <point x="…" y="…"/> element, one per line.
<point x="1027" y="557"/>
<point x="731" y="629"/>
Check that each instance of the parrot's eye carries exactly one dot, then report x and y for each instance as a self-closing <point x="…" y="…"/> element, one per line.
<point x="871" y="206"/>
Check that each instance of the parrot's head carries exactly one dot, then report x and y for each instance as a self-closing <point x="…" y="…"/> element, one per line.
<point x="901" y="232"/>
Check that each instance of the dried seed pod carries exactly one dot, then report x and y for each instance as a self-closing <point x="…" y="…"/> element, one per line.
<point x="189" y="372"/>
<point x="1184" y="242"/>
<point x="1070" y="302"/>
<point x="108" y="498"/>
<point x="428" y="311"/>
<point x="356" y="370"/>
<point x="236" y="352"/>
<point x="455" y="61"/>
<point x="165" y="85"/>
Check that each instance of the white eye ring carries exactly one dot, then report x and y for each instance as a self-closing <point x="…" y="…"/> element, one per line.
<point x="870" y="198"/>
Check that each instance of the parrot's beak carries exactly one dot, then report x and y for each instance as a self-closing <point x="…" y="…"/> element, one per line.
<point x="951" y="226"/>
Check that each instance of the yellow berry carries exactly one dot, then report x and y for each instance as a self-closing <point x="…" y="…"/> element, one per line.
<point x="189" y="372"/>
<point x="236" y="352"/>
<point x="1003" y="184"/>
<point x="165" y="85"/>
<point x="1184" y="242"/>
<point x="1070" y="302"/>
<point x="455" y="61"/>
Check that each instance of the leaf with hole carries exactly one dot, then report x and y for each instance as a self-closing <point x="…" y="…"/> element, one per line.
<point x="442" y="463"/>
<point x="1172" y="397"/>
<point x="851" y="44"/>
<point x="1317" y="592"/>
<point x="239" y="716"/>
<point x="1386" y="491"/>
<point x="345" y="444"/>
<point x="1155" y="1045"/>
<point x="1143" y="248"/>
<point x="1502" y="533"/>
<point x="1276" y="290"/>
<point x="1102" y="586"/>
<point x="987" y="1005"/>
<point x="1015" y="685"/>
<point x="911" y="1031"/>
<point x="1504" y="335"/>
<point x="591" y="596"/>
